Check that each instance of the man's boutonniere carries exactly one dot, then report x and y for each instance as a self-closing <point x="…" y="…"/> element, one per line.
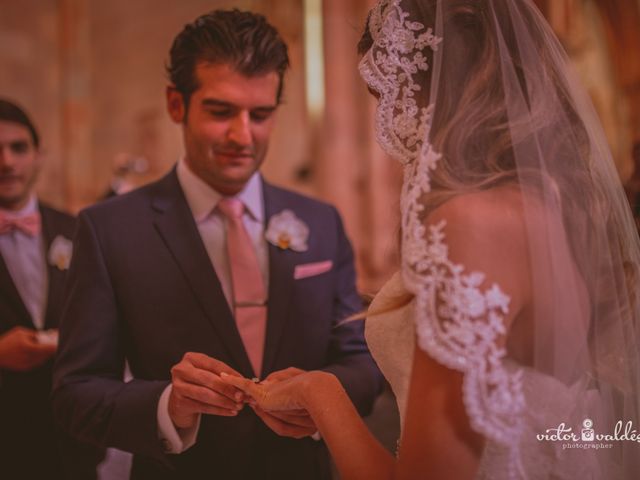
<point x="60" y="252"/>
<point x="287" y="231"/>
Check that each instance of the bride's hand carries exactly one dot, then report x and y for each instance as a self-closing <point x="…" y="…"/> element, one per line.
<point x="288" y="394"/>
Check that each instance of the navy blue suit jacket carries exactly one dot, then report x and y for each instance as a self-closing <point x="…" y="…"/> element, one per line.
<point x="30" y="445"/>
<point x="142" y="287"/>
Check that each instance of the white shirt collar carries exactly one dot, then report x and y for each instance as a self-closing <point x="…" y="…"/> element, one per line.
<point x="202" y="199"/>
<point x="28" y="209"/>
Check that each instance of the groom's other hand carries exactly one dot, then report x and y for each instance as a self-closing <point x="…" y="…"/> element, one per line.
<point x="292" y="423"/>
<point x="197" y="389"/>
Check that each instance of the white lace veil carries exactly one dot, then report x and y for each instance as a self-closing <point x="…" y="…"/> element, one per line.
<point x="476" y="95"/>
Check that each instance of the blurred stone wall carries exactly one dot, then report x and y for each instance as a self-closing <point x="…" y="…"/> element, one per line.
<point x="91" y="73"/>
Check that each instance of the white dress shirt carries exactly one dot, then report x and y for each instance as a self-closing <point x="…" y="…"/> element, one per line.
<point x="203" y="200"/>
<point x="24" y="256"/>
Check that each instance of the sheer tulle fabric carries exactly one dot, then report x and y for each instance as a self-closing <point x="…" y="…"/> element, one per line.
<point x="477" y="95"/>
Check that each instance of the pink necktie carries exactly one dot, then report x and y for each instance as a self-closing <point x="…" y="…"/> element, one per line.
<point x="249" y="293"/>
<point x="28" y="224"/>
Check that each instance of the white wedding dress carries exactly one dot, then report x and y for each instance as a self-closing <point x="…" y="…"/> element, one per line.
<point x="391" y="339"/>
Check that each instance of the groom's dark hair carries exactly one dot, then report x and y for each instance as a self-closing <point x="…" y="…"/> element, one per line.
<point x="244" y="40"/>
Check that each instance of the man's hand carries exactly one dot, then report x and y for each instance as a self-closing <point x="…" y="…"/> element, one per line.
<point x="197" y="388"/>
<point x="20" y="350"/>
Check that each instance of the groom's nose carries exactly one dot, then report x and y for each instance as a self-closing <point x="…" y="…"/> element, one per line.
<point x="240" y="129"/>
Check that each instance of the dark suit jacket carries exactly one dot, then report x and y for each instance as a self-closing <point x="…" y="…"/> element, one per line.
<point x="142" y="287"/>
<point x="30" y="447"/>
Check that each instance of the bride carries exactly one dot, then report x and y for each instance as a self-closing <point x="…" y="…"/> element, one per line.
<point x="510" y="335"/>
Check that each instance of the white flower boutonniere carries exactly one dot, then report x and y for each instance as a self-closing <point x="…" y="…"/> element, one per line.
<point x="60" y="252"/>
<point x="287" y="231"/>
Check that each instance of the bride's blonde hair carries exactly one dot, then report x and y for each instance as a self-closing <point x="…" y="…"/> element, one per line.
<point x="477" y="135"/>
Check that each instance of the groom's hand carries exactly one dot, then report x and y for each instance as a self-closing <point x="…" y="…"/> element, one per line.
<point x="290" y="423"/>
<point x="197" y="389"/>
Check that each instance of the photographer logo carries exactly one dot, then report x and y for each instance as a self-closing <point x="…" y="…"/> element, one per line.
<point x="589" y="437"/>
<point x="588" y="433"/>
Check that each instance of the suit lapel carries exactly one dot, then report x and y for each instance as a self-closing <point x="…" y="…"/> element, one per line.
<point x="175" y="224"/>
<point x="281" y="265"/>
<point x="55" y="276"/>
<point x="9" y="291"/>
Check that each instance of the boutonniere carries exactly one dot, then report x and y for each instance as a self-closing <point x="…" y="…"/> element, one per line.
<point x="60" y="252"/>
<point x="287" y="231"/>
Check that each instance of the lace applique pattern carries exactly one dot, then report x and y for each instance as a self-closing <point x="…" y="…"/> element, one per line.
<point x="465" y="336"/>
<point x="389" y="68"/>
<point x="457" y="323"/>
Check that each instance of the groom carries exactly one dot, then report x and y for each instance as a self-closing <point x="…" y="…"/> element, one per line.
<point x="210" y="270"/>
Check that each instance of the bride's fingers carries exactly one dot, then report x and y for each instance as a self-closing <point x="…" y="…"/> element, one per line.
<point x="283" y="428"/>
<point x="301" y="412"/>
<point x="247" y="386"/>
<point x="297" y="420"/>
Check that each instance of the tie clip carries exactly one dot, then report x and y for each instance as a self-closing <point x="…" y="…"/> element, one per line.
<point x="250" y="304"/>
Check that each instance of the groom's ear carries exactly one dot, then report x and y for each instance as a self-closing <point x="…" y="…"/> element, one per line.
<point x="175" y="104"/>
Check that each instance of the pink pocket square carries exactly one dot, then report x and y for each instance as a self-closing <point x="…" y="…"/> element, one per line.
<point x="312" y="269"/>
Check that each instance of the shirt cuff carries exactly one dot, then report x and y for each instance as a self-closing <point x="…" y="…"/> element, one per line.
<point x="174" y="440"/>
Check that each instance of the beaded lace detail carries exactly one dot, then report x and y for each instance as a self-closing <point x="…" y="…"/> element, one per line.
<point x="389" y="68"/>
<point x="457" y="323"/>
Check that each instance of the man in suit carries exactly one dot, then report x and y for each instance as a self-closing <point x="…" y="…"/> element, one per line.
<point x="210" y="270"/>
<point x="35" y="249"/>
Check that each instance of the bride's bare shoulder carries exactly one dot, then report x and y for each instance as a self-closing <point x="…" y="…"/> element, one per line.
<point x="495" y="212"/>
<point x="485" y="232"/>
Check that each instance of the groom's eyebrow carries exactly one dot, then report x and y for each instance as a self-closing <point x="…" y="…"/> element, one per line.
<point x="214" y="102"/>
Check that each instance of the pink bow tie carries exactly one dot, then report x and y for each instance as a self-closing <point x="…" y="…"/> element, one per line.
<point x="27" y="224"/>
